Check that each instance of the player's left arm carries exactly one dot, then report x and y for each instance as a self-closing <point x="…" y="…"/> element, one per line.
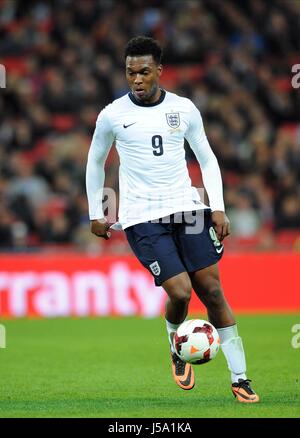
<point x="211" y="173"/>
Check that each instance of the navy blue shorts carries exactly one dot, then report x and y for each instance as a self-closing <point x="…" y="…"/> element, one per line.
<point x="183" y="242"/>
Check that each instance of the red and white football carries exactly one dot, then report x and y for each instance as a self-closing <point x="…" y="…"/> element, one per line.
<point x="196" y="341"/>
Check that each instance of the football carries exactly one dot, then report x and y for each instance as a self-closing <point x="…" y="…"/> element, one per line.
<point x="196" y="341"/>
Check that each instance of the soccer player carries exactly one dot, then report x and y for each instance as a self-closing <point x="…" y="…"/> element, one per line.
<point x="171" y="231"/>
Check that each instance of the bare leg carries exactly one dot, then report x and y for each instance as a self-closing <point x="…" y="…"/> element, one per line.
<point x="206" y="283"/>
<point x="179" y="290"/>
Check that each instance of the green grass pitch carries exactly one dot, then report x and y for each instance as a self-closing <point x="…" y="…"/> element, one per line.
<point x="120" y="368"/>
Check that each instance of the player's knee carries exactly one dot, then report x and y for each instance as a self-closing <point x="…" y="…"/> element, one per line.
<point x="216" y="295"/>
<point x="181" y="299"/>
<point x="213" y="292"/>
<point x="181" y="293"/>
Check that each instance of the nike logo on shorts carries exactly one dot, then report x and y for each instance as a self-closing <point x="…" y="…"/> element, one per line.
<point x="219" y="250"/>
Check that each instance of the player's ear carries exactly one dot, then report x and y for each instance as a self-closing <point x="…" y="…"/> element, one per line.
<point x="159" y="70"/>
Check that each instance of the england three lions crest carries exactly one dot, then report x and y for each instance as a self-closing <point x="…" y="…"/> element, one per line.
<point x="173" y="119"/>
<point x="155" y="268"/>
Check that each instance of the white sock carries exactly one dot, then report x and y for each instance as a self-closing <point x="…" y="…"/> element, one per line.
<point x="232" y="347"/>
<point x="171" y="329"/>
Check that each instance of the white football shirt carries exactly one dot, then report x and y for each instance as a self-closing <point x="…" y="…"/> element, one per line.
<point x="153" y="175"/>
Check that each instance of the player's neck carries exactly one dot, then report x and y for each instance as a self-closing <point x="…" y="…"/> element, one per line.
<point x="156" y="100"/>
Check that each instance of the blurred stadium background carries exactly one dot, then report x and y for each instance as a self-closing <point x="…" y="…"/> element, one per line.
<point x="64" y="62"/>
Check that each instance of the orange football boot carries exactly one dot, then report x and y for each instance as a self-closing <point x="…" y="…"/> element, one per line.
<point x="183" y="373"/>
<point x="243" y="391"/>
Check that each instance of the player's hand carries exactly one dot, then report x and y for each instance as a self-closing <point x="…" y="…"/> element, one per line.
<point x="221" y="224"/>
<point x="100" y="228"/>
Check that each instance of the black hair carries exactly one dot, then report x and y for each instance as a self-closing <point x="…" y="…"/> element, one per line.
<point x="142" y="46"/>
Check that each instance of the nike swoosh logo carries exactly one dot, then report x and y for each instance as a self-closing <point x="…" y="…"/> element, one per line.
<point x="237" y="392"/>
<point x="219" y="250"/>
<point x="127" y="126"/>
<point x="187" y="381"/>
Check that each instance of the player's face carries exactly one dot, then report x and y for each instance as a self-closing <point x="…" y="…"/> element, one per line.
<point x="142" y="74"/>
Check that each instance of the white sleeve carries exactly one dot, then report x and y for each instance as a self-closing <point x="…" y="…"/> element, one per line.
<point x="211" y="174"/>
<point x="101" y="143"/>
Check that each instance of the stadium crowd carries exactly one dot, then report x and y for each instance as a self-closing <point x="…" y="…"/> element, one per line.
<point x="64" y="62"/>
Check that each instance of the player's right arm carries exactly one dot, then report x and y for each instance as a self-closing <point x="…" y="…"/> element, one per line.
<point x="95" y="175"/>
